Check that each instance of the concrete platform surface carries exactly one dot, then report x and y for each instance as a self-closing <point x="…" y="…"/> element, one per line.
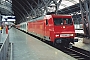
<point x="29" y="48"/>
<point x="82" y="45"/>
<point x="3" y="37"/>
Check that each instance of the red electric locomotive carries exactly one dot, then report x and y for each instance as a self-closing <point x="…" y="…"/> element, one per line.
<point x="58" y="29"/>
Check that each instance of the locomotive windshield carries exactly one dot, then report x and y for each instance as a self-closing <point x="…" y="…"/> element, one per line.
<point x="62" y="21"/>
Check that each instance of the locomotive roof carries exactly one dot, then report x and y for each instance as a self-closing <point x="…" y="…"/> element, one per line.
<point x="60" y="15"/>
<point x="46" y="16"/>
<point x="38" y="18"/>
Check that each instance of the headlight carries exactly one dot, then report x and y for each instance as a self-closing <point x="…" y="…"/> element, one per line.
<point x="57" y="35"/>
<point x="72" y="35"/>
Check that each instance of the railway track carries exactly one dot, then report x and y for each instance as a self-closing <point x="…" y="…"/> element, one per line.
<point x="75" y="52"/>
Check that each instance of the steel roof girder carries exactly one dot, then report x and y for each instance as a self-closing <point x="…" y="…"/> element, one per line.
<point x="38" y="8"/>
<point x="55" y="2"/>
<point x="57" y="5"/>
<point x="22" y="7"/>
<point x="73" y="1"/>
<point x="31" y="8"/>
<point x="7" y="8"/>
<point x="46" y="5"/>
<point x="22" y="15"/>
<point x="27" y="5"/>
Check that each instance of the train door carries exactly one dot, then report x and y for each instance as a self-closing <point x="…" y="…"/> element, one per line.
<point x="43" y="29"/>
<point x="47" y="30"/>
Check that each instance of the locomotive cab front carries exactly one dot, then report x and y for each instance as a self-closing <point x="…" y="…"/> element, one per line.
<point x="64" y="31"/>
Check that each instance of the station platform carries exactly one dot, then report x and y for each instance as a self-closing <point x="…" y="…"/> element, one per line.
<point x="3" y="37"/>
<point x="80" y="44"/>
<point x="26" y="47"/>
<point x="4" y="46"/>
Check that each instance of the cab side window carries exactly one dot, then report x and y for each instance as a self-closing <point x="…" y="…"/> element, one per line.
<point x="46" y="22"/>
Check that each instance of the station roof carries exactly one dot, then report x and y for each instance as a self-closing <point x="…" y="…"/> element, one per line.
<point x="6" y="7"/>
<point x="24" y="8"/>
<point x="25" y="4"/>
<point x="67" y="3"/>
<point x="69" y="6"/>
